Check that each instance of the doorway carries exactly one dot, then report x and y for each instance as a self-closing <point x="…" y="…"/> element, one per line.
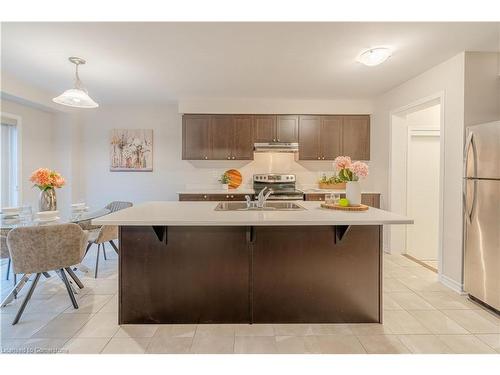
<point x="416" y="180"/>
<point x="422" y="195"/>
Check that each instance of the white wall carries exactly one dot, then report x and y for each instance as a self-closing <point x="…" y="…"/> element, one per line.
<point x="280" y="106"/>
<point x="448" y="78"/>
<point x="482" y="87"/>
<point x="76" y="144"/>
<point x="14" y="89"/>
<point x="428" y="117"/>
<point x="170" y="173"/>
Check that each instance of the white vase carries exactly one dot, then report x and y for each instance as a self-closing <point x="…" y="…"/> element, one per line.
<point x="353" y="193"/>
<point x="225" y="186"/>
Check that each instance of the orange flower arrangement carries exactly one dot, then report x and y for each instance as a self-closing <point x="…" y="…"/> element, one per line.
<point x="44" y="178"/>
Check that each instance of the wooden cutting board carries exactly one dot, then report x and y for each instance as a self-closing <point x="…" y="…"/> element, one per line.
<point x="235" y="178"/>
<point x="361" y="207"/>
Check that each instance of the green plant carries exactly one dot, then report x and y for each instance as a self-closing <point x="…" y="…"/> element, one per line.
<point x="331" y="180"/>
<point x="224" y="179"/>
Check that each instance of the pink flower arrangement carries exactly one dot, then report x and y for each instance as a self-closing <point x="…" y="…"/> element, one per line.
<point x="348" y="170"/>
<point x="360" y="169"/>
<point x="342" y="162"/>
<point x="44" y="178"/>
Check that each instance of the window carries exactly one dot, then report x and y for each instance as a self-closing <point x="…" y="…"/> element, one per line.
<point x="9" y="147"/>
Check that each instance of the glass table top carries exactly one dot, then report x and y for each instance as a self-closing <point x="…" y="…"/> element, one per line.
<point x="7" y="222"/>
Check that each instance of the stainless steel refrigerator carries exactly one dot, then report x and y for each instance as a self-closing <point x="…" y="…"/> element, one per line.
<point x="482" y="213"/>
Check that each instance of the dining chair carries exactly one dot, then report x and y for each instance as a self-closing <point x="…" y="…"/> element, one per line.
<point x="39" y="249"/>
<point x="4" y="254"/>
<point x="106" y="233"/>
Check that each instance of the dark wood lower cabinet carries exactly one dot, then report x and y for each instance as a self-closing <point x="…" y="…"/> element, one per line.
<point x="183" y="275"/>
<point x="300" y="275"/>
<point x="234" y="274"/>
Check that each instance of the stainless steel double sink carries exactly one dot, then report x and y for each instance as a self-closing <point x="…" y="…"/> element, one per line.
<point x="268" y="206"/>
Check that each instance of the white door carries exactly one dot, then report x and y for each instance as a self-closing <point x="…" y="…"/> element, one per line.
<point x="423" y="194"/>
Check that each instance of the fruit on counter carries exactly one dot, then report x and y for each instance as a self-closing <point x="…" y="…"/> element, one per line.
<point x="344" y="202"/>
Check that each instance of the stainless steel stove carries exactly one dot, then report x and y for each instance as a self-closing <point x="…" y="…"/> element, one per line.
<point x="282" y="185"/>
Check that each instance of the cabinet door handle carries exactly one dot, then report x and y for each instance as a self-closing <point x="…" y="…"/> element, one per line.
<point x="274" y="139"/>
<point x="278" y="139"/>
<point x="232" y="196"/>
<point x="229" y="157"/>
<point x="206" y="157"/>
<point x="233" y="158"/>
<point x="323" y="158"/>
<point x="205" y="197"/>
<point x="319" y="157"/>
<point x="227" y="196"/>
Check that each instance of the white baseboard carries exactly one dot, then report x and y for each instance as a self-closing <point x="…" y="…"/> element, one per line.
<point x="452" y="284"/>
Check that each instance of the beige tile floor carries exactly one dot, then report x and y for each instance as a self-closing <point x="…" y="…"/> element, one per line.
<point x="420" y="316"/>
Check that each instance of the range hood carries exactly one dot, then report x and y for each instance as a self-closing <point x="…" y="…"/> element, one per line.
<point x="276" y="147"/>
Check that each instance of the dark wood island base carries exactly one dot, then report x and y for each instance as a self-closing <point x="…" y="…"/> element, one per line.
<point x="259" y="274"/>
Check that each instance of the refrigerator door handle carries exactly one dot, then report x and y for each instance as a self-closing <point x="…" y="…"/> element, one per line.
<point x="468" y="144"/>
<point x="470" y="213"/>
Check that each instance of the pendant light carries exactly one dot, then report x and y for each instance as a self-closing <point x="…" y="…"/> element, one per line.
<point x="78" y="96"/>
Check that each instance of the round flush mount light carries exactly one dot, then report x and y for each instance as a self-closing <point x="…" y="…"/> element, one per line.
<point x="78" y="96"/>
<point x="374" y="56"/>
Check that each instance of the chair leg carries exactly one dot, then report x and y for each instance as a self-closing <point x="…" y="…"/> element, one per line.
<point x="114" y="247"/>
<point x="8" y="269"/>
<point x="88" y="247"/>
<point x="15" y="291"/>
<point x="68" y="288"/>
<point x="26" y="299"/>
<point x="15" y="278"/>
<point x="104" y="252"/>
<point x="74" y="277"/>
<point x="97" y="260"/>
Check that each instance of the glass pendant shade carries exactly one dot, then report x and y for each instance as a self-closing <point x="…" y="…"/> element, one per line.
<point x="78" y="96"/>
<point x="75" y="98"/>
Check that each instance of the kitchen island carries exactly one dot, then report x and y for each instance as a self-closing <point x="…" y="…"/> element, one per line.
<point x="184" y="262"/>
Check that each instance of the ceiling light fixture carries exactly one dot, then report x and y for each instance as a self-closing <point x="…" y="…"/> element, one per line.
<point x="77" y="96"/>
<point x="374" y="56"/>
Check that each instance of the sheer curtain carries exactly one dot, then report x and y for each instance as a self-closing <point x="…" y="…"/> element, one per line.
<point x="9" y="161"/>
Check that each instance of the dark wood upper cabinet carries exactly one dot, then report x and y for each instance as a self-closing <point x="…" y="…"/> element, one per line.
<point x="309" y="137"/>
<point x="356" y="137"/>
<point x="243" y="138"/>
<point x="221" y="135"/>
<point x="287" y="129"/>
<point x="331" y="137"/>
<point x="217" y="137"/>
<point x="196" y="137"/>
<point x="231" y="137"/>
<point x="326" y="137"/>
<point x="264" y="128"/>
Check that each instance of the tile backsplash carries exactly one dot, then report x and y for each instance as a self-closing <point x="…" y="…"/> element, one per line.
<point x="307" y="172"/>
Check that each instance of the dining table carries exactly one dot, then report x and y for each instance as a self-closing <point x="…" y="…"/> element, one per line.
<point x="83" y="219"/>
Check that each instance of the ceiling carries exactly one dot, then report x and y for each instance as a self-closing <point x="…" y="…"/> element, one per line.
<point x="143" y="62"/>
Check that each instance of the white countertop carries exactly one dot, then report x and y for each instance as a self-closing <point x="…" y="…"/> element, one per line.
<point x="339" y="191"/>
<point x="203" y="214"/>
<point x="252" y="191"/>
<point x="249" y="191"/>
